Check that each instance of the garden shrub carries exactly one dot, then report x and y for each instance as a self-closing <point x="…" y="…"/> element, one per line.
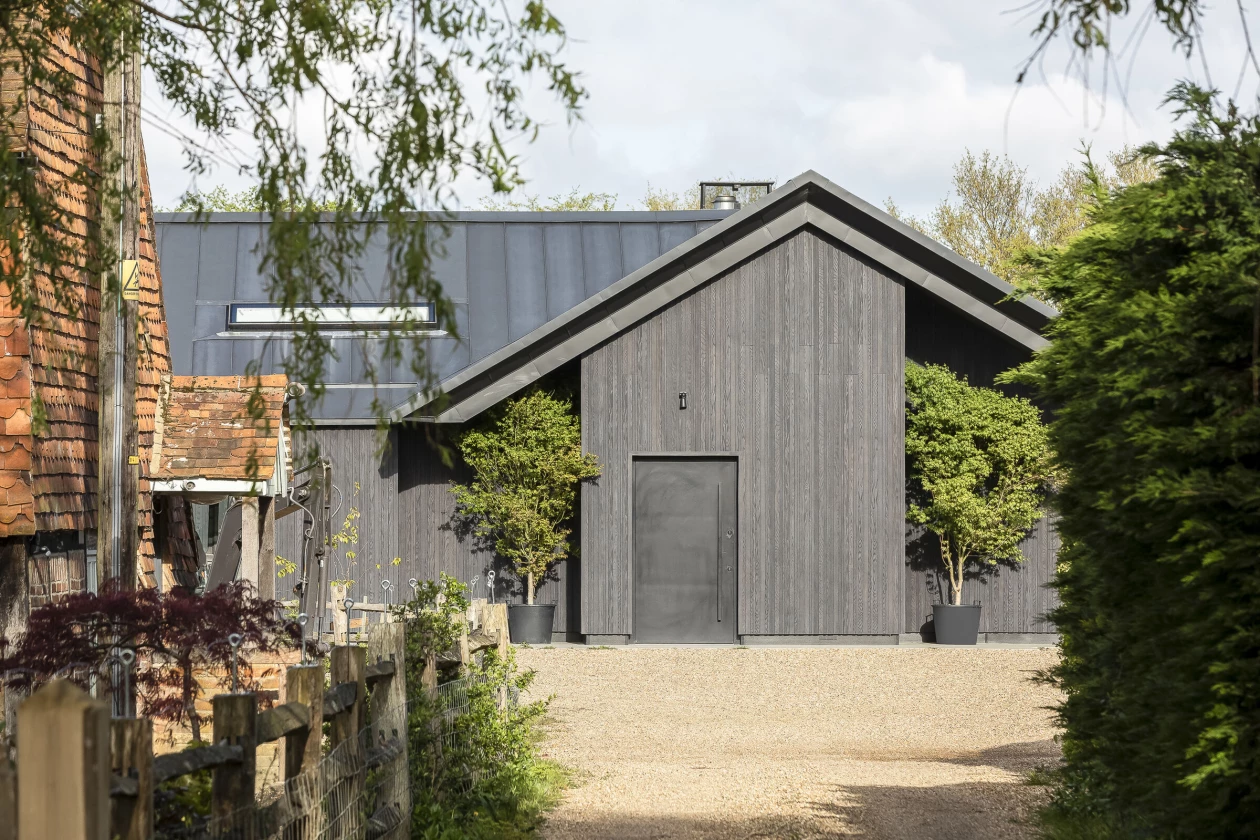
<point x="491" y="781"/>
<point x="1155" y="372"/>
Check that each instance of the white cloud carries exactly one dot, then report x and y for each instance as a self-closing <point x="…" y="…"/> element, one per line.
<point x="880" y="96"/>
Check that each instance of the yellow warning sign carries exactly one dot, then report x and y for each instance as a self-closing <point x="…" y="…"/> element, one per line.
<point x="131" y="279"/>
<point x="133" y="459"/>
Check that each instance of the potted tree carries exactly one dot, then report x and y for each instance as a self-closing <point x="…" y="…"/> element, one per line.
<point x="526" y="463"/>
<point x="979" y="467"/>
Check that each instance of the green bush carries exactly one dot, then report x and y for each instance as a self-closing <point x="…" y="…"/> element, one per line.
<point x="488" y="780"/>
<point x="1155" y="369"/>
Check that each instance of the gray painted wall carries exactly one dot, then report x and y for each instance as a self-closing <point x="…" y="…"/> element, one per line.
<point x="794" y="362"/>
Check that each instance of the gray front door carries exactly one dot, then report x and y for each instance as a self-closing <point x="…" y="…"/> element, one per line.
<point x="684" y="550"/>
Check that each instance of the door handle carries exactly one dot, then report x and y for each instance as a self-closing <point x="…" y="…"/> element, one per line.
<point x="719" y="553"/>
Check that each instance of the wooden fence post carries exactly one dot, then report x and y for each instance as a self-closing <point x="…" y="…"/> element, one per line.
<point x="341" y="618"/>
<point x="131" y="756"/>
<point x="8" y="797"/>
<point x="348" y="665"/>
<point x="235" y="721"/>
<point x="388" y="642"/>
<point x="305" y="684"/>
<point x="63" y="765"/>
<point x="494" y="617"/>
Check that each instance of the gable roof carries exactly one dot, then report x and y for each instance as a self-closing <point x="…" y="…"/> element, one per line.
<point x="205" y="434"/>
<point x="532" y="290"/>
<point x="808" y="200"/>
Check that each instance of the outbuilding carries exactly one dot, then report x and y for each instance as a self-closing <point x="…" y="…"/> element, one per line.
<point x="740" y="377"/>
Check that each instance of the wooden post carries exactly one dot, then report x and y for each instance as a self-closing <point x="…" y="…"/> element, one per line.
<point x="232" y="787"/>
<point x="388" y="642"/>
<point x="249" y="539"/>
<point x="476" y="608"/>
<point x="305" y="684"/>
<point x="494" y="617"/>
<point x="13" y="699"/>
<point x="131" y="756"/>
<point x="8" y="796"/>
<point x="267" y="547"/>
<point x="348" y="664"/>
<point x="63" y="765"/>
<point x="429" y="675"/>
<point x="117" y="476"/>
<point x="341" y="618"/>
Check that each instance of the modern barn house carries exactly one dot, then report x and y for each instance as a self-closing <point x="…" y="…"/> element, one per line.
<point x="740" y="377"/>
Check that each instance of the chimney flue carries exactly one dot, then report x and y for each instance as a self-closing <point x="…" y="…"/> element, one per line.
<point x="726" y="202"/>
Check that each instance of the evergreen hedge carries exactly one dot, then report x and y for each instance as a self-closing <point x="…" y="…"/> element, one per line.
<point x="1155" y="374"/>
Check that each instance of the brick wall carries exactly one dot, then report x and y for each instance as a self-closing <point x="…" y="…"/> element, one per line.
<point x="54" y="575"/>
<point x="269" y="670"/>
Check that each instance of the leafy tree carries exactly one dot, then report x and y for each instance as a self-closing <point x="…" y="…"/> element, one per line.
<point x="219" y="200"/>
<point x="390" y="80"/>
<point x="998" y="213"/>
<point x="527" y="464"/>
<point x="573" y="201"/>
<point x="173" y="636"/>
<point x="1155" y="366"/>
<point x="979" y="467"/>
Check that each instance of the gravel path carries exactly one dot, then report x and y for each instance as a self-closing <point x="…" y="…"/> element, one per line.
<point x="733" y="743"/>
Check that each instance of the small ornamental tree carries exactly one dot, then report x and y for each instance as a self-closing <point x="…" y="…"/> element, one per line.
<point x="979" y="466"/>
<point x="526" y="466"/>
<point x="173" y="636"/>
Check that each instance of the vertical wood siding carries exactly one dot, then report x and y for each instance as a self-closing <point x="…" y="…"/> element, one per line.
<point x="1015" y="599"/>
<point x="430" y="541"/>
<point x="405" y="510"/>
<point x="793" y="361"/>
<point x="357" y="458"/>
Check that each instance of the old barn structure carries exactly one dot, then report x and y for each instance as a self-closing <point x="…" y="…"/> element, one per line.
<point x="740" y="378"/>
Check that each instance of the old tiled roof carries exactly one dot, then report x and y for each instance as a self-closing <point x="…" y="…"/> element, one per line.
<point x="48" y="480"/>
<point x="206" y="429"/>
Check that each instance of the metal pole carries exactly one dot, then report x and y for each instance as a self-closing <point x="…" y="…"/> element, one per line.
<point x="116" y="455"/>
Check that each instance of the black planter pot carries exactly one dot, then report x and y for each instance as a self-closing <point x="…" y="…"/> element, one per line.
<point x="956" y="625"/>
<point x="530" y="624"/>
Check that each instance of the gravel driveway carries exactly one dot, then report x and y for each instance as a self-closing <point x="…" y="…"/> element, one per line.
<point x="737" y="743"/>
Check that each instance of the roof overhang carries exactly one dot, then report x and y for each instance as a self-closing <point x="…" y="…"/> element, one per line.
<point x="808" y="201"/>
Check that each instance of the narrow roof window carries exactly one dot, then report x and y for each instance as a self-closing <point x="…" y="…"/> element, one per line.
<point x="263" y="316"/>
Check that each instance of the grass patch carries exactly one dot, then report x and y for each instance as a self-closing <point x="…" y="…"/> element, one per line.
<point x="603" y="647"/>
<point x="1040" y="777"/>
<point x="514" y="807"/>
<point x="1057" y="825"/>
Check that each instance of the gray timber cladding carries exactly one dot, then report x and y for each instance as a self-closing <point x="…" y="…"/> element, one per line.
<point x="793" y="362"/>
<point x="405" y="510"/>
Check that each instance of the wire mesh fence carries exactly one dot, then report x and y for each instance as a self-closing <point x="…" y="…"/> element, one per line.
<point x="362" y="786"/>
<point x="354" y="792"/>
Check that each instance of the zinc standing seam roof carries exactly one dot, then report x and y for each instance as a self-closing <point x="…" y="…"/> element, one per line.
<point x="533" y="290"/>
<point x="507" y="273"/>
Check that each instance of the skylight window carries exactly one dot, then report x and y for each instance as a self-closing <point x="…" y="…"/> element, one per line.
<point x="263" y="316"/>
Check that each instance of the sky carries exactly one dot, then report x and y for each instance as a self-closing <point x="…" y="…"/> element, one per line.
<point x="880" y="96"/>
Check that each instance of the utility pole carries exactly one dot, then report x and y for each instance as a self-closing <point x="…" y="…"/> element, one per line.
<point x="118" y="462"/>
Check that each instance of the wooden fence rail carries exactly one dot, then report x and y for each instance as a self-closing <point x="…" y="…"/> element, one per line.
<point x="80" y="774"/>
